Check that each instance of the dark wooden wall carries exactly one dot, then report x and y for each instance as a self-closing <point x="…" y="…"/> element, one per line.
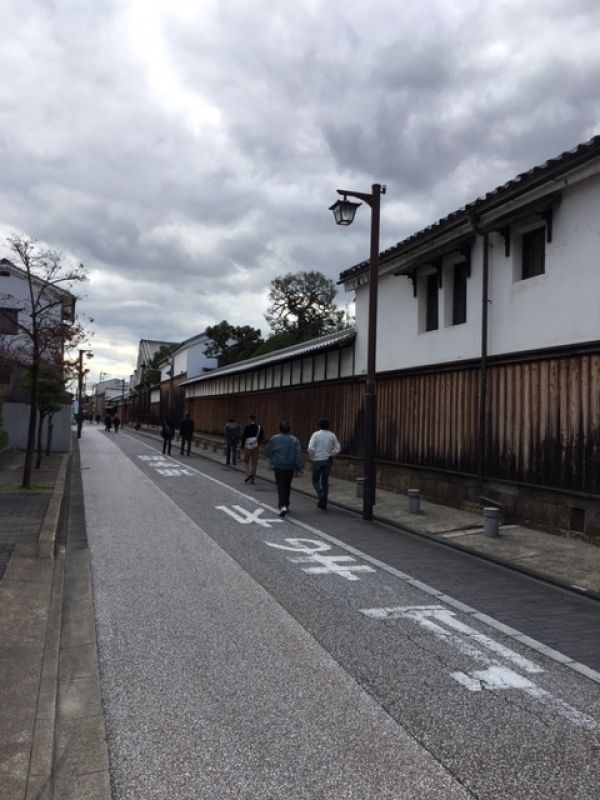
<point x="542" y="418"/>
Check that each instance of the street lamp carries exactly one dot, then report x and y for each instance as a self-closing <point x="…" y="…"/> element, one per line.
<point x="344" y="211"/>
<point x="80" y="390"/>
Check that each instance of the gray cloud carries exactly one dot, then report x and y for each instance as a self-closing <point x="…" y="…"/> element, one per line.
<point x="187" y="153"/>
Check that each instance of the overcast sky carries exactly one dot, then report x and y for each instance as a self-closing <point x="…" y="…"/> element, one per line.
<point x="186" y="151"/>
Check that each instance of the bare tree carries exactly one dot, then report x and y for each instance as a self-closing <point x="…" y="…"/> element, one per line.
<point x="46" y="327"/>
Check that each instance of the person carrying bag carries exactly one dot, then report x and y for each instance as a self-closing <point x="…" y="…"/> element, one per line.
<point x="251" y="438"/>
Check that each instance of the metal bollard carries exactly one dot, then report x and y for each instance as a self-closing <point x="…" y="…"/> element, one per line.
<point x="214" y="448"/>
<point x="360" y="487"/>
<point x="491" y="521"/>
<point x="205" y="444"/>
<point x="414" y="501"/>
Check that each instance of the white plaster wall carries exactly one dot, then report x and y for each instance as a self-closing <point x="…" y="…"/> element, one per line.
<point x="193" y="361"/>
<point x="400" y="345"/>
<point x="16" y="422"/>
<point x="561" y="307"/>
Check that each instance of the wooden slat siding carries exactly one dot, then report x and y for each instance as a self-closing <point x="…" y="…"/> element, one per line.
<point x="524" y="449"/>
<point x="544" y="416"/>
<point x="593" y="456"/>
<point x="582" y="433"/>
<point x="511" y="423"/>
<point x="563" y="418"/>
<point x="575" y="412"/>
<point x="518" y="420"/>
<point x="538" y="399"/>
<point x="543" y="419"/>
<point x="429" y="391"/>
<point x="459" y="417"/>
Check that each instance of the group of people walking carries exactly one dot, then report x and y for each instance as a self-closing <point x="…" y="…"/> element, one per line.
<point x="186" y="434"/>
<point x="110" y="422"/>
<point x="283" y="451"/>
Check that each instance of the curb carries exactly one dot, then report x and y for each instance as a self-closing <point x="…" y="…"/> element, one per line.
<point x="47" y="535"/>
<point x="531" y="573"/>
<point x="40" y="782"/>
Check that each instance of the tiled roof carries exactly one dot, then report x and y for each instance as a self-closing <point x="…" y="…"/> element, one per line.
<point x="329" y="342"/>
<point x="523" y="182"/>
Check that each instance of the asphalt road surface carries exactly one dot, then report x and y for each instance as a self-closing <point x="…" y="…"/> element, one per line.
<point x="247" y="656"/>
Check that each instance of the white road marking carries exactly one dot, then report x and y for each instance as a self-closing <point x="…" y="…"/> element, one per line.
<point x="164" y="466"/>
<point x="495" y="676"/>
<point x="245" y="517"/>
<point x="433" y="618"/>
<point x="313" y="552"/>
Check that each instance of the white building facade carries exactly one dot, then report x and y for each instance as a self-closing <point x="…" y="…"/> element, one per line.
<point x="555" y="223"/>
<point x="488" y="348"/>
<point x="15" y="311"/>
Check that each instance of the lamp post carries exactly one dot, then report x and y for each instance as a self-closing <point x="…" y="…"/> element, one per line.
<point x="171" y="374"/>
<point x="80" y="390"/>
<point x="344" y="211"/>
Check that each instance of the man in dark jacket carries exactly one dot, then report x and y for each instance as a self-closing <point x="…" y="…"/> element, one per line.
<point x="285" y="457"/>
<point x="232" y="438"/>
<point x="186" y="431"/>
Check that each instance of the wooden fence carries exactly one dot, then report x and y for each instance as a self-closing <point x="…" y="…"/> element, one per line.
<point x="542" y="418"/>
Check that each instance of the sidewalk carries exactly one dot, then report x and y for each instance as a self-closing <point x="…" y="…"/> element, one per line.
<point x="49" y="692"/>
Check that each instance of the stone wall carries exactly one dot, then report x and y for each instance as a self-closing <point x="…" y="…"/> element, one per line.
<point x="536" y="507"/>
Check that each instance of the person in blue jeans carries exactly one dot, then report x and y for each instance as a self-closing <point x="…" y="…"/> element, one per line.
<point x="285" y="457"/>
<point x="323" y="446"/>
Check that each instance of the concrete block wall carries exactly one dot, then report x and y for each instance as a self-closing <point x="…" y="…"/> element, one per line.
<point x="16" y="421"/>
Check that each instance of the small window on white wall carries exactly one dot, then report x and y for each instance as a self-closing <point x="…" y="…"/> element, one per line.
<point x="8" y="321"/>
<point x="533" y="253"/>
<point x="431" y="303"/>
<point x="459" y="293"/>
<point x="428" y="298"/>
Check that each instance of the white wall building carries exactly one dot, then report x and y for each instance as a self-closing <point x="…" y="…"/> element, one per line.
<point x="189" y="359"/>
<point x="543" y="229"/>
<point x="15" y="310"/>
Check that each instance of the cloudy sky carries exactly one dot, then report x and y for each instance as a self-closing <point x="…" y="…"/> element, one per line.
<point x="186" y="151"/>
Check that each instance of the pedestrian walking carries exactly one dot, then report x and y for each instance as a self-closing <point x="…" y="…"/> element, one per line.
<point x="232" y="439"/>
<point x="186" y="431"/>
<point x="285" y="457"/>
<point x="107" y="422"/>
<point x="167" y="432"/>
<point x="323" y="446"/>
<point x="252" y="436"/>
<point x="116" y="423"/>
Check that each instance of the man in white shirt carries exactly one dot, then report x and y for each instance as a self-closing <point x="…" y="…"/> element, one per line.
<point x="322" y="448"/>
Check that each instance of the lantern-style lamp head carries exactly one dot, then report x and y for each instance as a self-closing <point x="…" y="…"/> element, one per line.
<point x="344" y="211"/>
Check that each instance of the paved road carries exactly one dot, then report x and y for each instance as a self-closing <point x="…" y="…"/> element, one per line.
<point x="249" y="657"/>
